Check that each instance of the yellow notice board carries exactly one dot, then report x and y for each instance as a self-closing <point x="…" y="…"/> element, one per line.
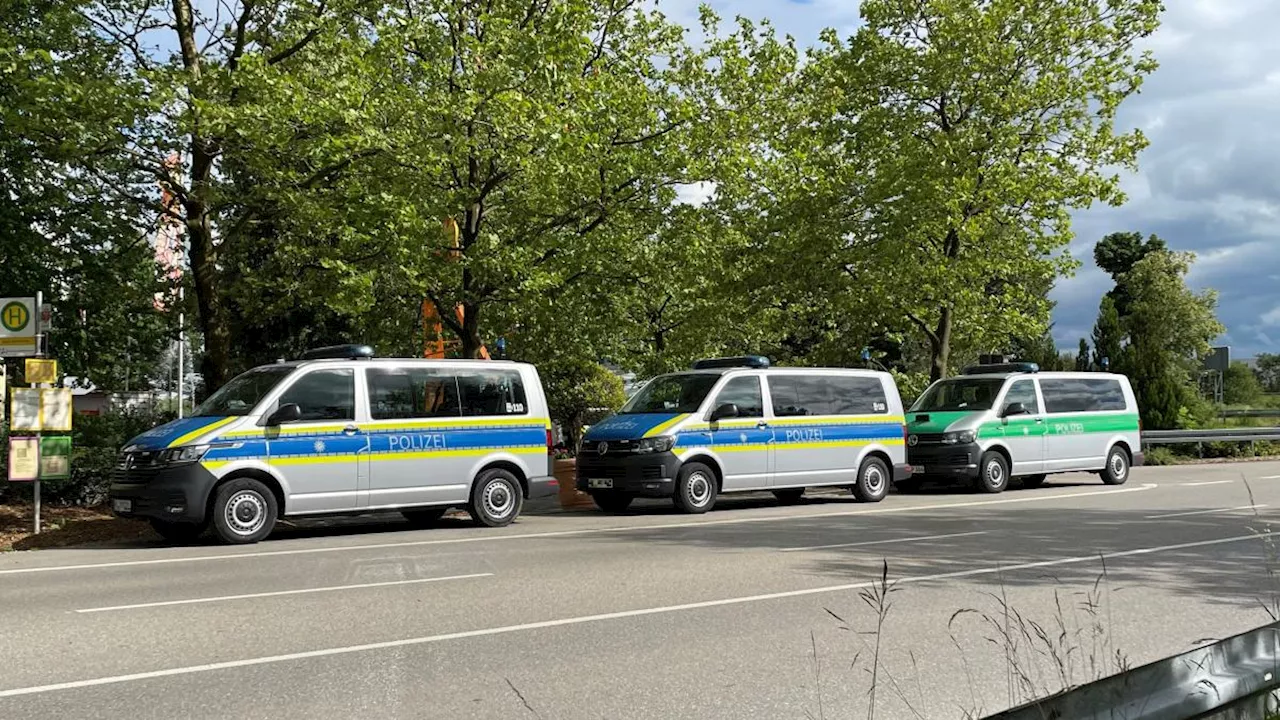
<point x="36" y="410"/>
<point x="41" y="371"/>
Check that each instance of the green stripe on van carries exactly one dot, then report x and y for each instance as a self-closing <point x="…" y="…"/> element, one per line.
<point x="1070" y="424"/>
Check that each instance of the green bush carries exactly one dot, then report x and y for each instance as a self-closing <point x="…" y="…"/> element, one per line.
<point x="95" y="442"/>
<point x="1160" y="456"/>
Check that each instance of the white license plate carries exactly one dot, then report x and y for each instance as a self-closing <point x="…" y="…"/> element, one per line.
<point x="917" y="469"/>
<point x="599" y="483"/>
<point x="122" y="505"/>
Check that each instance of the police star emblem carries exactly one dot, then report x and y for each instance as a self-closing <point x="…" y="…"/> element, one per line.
<point x="319" y="446"/>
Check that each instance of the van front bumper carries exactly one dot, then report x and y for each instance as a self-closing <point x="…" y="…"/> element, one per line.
<point x="944" y="461"/>
<point x="175" y="494"/>
<point x="646" y="475"/>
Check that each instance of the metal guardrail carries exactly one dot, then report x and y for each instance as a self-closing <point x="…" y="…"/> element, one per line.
<point x="1176" y="437"/>
<point x="1250" y="413"/>
<point x="1235" y="678"/>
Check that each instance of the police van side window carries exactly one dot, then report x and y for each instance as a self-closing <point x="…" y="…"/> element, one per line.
<point x="826" y="395"/>
<point x="745" y="393"/>
<point x="498" y="392"/>
<point x="1023" y="391"/>
<point x="324" y="395"/>
<point x="397" y="393"/>
<point x="1073" y="395"/>
<point x="852" y="395"/>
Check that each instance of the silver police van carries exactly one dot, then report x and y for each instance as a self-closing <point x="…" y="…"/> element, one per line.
<point x="340" y="431"/>
<point x="737" y="424"/>
<point x="996" y="422"/>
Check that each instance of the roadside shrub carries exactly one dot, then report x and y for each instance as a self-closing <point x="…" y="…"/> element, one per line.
<point x="1160" y="456"/>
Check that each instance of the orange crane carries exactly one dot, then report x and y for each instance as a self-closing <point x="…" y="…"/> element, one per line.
<point x="432" y="324"/>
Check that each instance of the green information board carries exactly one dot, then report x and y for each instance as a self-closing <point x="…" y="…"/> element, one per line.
<point x="55" y="457"/>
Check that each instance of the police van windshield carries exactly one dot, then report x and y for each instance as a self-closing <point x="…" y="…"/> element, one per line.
<point x="959" y="394"/>
<point x="672" y="394"/>
<point x="244" y="392"/>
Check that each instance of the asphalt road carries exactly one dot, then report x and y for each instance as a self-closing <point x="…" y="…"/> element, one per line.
<point x="738" y="613"/>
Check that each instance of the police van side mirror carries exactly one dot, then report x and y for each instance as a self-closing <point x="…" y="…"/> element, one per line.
<point x="289" y="412"/>
<point x="727" y="410"/>
<point x="1014" y="408"/>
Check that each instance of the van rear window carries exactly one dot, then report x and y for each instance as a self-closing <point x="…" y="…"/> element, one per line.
<point x="1072" y="395"/>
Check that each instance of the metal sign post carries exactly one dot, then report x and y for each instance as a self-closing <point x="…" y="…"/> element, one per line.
<point x="39" y="353"/>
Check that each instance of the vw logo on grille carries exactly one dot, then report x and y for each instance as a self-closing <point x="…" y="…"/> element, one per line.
<point x="913" y="440"/>
<point x="602" y="448"/>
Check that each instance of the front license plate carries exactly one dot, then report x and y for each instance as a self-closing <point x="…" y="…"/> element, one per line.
<point x="122" y="505"/>
<point x="917" y="469"/>
<point x="599" y="482"/>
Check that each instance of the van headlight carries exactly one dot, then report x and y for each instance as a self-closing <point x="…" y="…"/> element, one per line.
<point x="185" y="454"/>
<point x="963" y="437"/>
<point x="662" y="443"/>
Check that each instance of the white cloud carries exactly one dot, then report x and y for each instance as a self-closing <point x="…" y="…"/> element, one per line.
<point x="695" y="194"/>
<point x="1271" y="318"/>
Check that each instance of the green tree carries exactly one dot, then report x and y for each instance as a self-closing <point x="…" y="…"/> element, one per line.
<point x="1269" y="371"/>
<point x="1082" y="357"/>
<point x="1108" y="337"/>
<point x="61" y="232"/>
<point x="575" y="388"/>
<point x="979" y="125"/>
<point x="1116" y="254"/>
<point x="1240" y="385"/>
<point x="1170" y="327"/>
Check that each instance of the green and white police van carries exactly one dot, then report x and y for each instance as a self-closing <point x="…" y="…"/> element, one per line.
<point x="737" y="425"/>
<point x="999" y="422"/>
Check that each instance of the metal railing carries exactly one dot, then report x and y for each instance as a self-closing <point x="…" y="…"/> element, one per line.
<point x="1235" y="678"/>
<point x="1267" y="413"/>
<point x="1183" y="437"/>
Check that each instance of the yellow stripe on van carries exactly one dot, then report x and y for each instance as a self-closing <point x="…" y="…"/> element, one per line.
<point x="183" y="440"/>
<point x="659" y="429"/>
<point x="836" y="444"/>
<point x="397" y="425"/>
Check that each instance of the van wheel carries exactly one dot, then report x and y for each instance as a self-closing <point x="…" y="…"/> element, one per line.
<point x="244" y="511"/>
<point x="612" y="502"/>
<point x="789" y="496"/>
<point x="424" y="517"/>
<point x="178" y="532"/>
<point x="496" y="498"/>
<point x="873" y="481"/>
<point x="695" y="488"/>
<point x="1033" y="481"/>
<point x="1117" y="469"/>
<point x="993" y="472"/>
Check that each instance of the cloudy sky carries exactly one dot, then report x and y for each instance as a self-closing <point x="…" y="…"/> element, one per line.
<point x="1209" y="181"/>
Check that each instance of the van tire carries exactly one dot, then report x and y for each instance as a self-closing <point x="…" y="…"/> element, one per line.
<point x="873" y="481"/>
<point x="612" y="502"/>
<point x="1117" y="470"/>
<point x="1033" y="481"/>
<point x="424" y="517"/>
<point x="244" y="511"/>
<point x="179" y="533"/>
<point x="695" y="489"/>
<point x="789" y="496"/>
<point x="993" y="473"/>
<point x="496" y="498"/>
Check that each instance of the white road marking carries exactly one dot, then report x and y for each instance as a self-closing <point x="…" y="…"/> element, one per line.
<point x="1205" y="512"/>
<point x="302" y="591"/>
<point x="1206" y="482"/>
<point x="641" y="612"/>
<point x="587" y="531"/>
<point x="1270" y="477"/>
<point x="910" y="538"/>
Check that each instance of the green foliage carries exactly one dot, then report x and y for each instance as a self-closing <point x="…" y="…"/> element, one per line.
<point x="1269" y="371"/>
<point x="1116" y="254"/>
<point x="1083" y="363"/>
<point x="1241" y="386"/>
<point x="578" y="388"/>
<point x="1108" y="337"/>
<point x="1169" y="328"/>
<point x="1160" y="455"/>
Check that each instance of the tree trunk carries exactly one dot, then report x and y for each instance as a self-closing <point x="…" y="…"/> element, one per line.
<point x="471" y="342"/>
<point x="940" y="346"/>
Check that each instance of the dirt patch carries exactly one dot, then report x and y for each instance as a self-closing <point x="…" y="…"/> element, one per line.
<point x="64" y="526"/>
